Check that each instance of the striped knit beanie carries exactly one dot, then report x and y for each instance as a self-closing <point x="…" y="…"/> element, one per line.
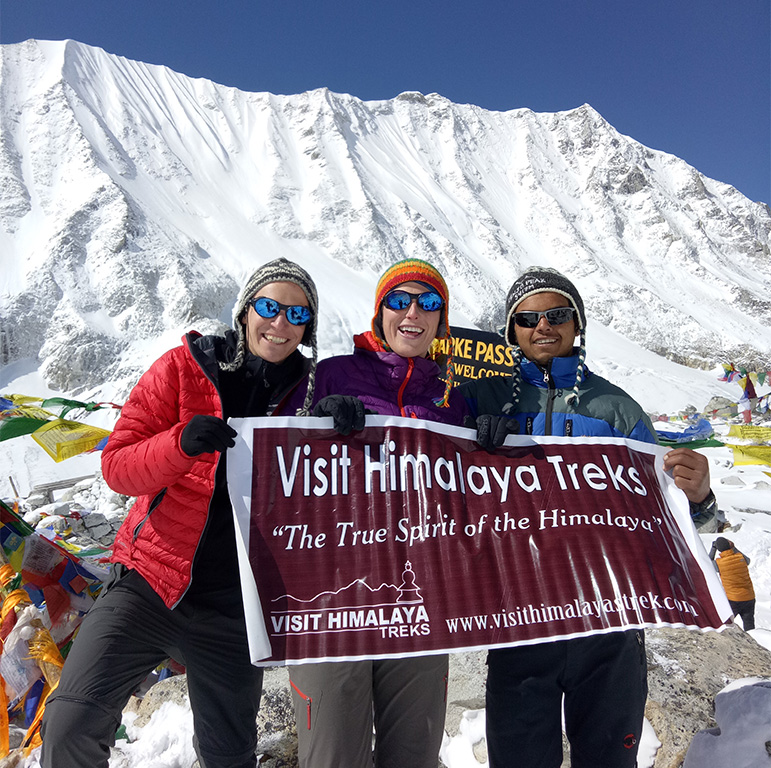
<point x="278" y="271"/>
<point x="544" y="280"/>
<point x="411" y="271"/>
<point x="416" y="271"/>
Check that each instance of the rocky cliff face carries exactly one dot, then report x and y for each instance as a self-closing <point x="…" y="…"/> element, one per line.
<point x="134" y="201"/>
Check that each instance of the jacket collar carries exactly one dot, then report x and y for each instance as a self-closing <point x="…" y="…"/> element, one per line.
<point x="562" y="371"/>
<point x="208" y="350"/>
<point x="423" y="368"/>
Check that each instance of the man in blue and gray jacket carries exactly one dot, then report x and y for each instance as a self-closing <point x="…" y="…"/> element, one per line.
<point x="603" y="677"/>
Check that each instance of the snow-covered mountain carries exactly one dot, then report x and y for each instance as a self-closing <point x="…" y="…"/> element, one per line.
<point x="135" y="200"/>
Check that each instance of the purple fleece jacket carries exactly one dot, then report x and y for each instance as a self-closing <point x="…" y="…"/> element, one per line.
<point x="385" y="382"/>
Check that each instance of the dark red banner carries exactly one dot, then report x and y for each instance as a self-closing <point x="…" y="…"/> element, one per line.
<point x="407" y="538"/>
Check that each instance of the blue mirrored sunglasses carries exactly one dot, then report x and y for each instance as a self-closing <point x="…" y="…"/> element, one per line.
<point x="556" y="316"/>
<point x="296" y="314"/>
<point x="430" y="301"/>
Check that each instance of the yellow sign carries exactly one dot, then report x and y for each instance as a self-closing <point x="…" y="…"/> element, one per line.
<point x="475" y="354"/>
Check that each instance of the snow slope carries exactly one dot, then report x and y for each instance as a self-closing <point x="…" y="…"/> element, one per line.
<point x="135" y="200"/>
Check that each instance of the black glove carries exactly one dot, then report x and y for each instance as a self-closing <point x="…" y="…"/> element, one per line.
<point x="347" y="411"/>
<point x="206" y="434"/>
<point x="492" y="430"/>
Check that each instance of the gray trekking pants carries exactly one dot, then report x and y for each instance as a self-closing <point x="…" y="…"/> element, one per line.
<point x="338" y="703"/>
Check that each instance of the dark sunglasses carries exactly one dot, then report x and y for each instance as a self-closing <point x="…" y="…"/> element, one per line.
<point x="296" y="314"/>
<point x="429" y="301"/>
<point x="556" y="316"/>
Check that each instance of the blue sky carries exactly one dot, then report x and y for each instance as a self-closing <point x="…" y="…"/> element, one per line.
<point x="690" y="77"/>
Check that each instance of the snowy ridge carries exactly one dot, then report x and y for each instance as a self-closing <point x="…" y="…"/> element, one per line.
<point x="134" y="200"/>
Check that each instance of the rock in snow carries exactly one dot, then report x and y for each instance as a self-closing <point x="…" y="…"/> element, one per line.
<point x="742" y="738"/>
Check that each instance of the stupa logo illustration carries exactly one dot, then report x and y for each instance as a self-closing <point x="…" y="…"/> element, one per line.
<point x="356" y="606"/>
<point x="409" y="591"/>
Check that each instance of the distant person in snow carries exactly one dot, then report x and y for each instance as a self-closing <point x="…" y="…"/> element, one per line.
<point x="338" y="703"/>
<point x="735" y="576"/>
<point x="174" y="589"/>
<point x="603" y="677"/>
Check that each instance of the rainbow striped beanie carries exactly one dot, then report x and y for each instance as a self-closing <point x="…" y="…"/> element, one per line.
<point x="416" y="271"/>
<point x="412" y="271"/>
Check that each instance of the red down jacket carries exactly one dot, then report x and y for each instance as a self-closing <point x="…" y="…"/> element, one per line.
<point x="142" y="458"/>
<point x="162" y="531"/>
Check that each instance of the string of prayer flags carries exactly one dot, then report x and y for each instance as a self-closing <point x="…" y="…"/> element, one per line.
<point x="44" y="593"/>
<point x="60" y="438"/>
<point x="733" y="373"/>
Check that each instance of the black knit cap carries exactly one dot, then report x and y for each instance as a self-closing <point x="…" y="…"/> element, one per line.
<point x="541" y="280"/>
<point x="723" y="544"/>
<point x="279" y="271"/>
<point x="531" y="282"/>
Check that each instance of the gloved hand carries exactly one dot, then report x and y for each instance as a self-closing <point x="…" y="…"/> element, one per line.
<point x="206" y="434"/>
<point x="492" y="430"/>
<point x="347" y="411"/>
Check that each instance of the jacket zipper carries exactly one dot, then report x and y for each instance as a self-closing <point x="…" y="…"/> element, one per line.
<point x="399" y="396"/>
<point x="203" y="365"/>
<point x="153" y="504"/>
<point x="552" y="392"/>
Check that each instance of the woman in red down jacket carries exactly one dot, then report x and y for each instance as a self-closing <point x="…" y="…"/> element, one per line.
<point x="174" y="589"/>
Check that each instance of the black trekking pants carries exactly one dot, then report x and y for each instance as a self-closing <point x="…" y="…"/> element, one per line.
<point x="128" y="632"/>
<point x="603" y="679"/>
<point x="745" y="609"/>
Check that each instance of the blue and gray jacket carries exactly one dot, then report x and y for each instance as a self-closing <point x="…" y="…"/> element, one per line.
<point x="603" y="410"/>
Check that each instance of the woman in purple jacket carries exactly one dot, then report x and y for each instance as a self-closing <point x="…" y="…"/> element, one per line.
<point x="337" y="703"/>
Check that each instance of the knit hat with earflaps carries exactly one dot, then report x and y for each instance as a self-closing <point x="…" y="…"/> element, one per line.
<point x="415" y="271"/>
<point x="278" y="271"/>
<point x="544" y="280"/>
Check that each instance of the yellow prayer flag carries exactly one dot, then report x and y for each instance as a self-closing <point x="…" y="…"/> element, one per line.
<point x="22" y="399"/>
<point x="752" y="454"/>
<point x="24" y="409"/>
<point x="750" y="432"/>
<point x="62" y="439"/>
